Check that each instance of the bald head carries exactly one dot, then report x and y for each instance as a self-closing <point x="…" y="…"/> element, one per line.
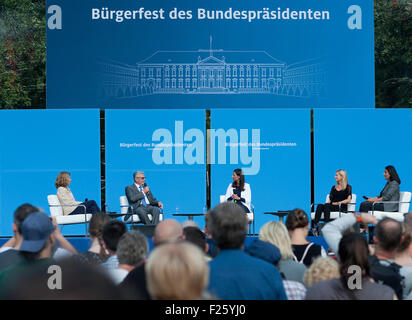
<point x="167" y="230"/>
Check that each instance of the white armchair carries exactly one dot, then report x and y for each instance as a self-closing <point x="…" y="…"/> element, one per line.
<point x="56" y="210"/>
<point x="336" y="214"/>
<point x="404" y="203"/>
<point x="134" y="218"/>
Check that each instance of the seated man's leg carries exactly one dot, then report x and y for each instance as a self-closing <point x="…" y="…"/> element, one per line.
<point x="142" y="213"/>
<point x="155" y="212"/>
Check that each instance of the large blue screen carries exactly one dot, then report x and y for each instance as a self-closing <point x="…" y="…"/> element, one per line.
<point x="273" y="149"/>
<point x="362" y="142"/>
<point x="210" y="54"/>
<point x="35" y="146"/>
<point x="169" y="146"/>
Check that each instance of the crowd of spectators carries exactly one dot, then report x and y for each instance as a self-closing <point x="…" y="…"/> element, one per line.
<point x="188" y="263"/>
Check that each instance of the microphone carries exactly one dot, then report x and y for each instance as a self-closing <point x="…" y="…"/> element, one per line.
<point x="144" y="186"/>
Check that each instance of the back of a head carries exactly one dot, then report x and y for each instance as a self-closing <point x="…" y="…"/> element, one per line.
<point x="405" y="240"/>
<point x="277" y="234"/>
<point x="322" y="268"/>
<point x="132" y="248"/>
<point x="388" y="233"/>
<point x="353" y="251"/>
<point x="176" y="271"/>
<point x="408" y="220"/>
<point x="196" y="236"/>
<point x="168" y="230"/>
<point x="297" y="218"/>
<point x="22" y="212"/>
<point x="227" y="223"/>
<point x="96" y="224"/>
<point x="73" y="281"/>
<point x="112" y="232"/>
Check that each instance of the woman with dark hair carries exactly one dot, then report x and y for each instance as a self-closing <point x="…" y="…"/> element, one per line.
<point x="297" y="223"/>
<point x="353" y="258"/>
<point x="66" y="198"/>
<point x="389" y="193"/>
<point x="239" y="191"/>
<point x="339" y="197"/>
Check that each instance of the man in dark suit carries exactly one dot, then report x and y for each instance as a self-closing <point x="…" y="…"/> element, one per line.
<point x="142" y="200"/>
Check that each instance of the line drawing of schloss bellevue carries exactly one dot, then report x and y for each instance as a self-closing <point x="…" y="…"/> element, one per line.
<point x="212" y="71"/>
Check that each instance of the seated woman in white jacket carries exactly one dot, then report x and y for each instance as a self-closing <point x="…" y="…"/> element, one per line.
<point x="239" y="191"/>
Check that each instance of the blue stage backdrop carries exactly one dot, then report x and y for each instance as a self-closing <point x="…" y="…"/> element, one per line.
<point x="362" y="142"/>
<point x="35" y="146"/>
<point x="273" y="149"/>
<point x="210" y="54"/>
<point x="169" y="146"/>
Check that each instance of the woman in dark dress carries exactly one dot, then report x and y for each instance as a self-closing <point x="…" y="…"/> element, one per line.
<point x="239" y="191"/>
<point x="340" y="194"/>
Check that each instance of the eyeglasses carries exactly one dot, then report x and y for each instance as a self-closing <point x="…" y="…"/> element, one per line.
<point x="141" y="178"/>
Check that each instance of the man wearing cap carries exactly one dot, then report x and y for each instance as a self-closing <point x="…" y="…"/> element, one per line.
<point x="36" y="248"/>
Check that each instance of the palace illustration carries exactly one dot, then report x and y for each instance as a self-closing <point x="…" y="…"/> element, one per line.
<point x="211" y="72"/>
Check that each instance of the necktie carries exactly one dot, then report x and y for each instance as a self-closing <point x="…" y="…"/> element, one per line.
<point x="144" y="198"/>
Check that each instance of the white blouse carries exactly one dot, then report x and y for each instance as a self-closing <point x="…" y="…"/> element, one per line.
<point x="245" y="194"/>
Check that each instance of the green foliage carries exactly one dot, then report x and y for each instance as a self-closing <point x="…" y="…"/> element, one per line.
<point x="393" y="53"/>
<point x="22" y="53"/>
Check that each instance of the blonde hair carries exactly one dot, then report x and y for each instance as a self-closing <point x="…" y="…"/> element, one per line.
<point x="277" y="234"/>
<point x="62" y="179"/>
<point x="322" y="268"/>
<point x="344" y="176"/>
<point x="177" y="271"/>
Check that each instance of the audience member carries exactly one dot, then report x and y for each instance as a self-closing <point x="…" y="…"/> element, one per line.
<point x="322" y="268"/>
<point x="131" y="252"/>
<point x="112" y="232"/>
<point x="77" y="282"/>
<point x="10" y="254"/>
<point x="235" y="275"/>
<point x="96" y="253"/>
<point x="36" y="248"/>
<point x="177" y="271"/>
<point x="297" y="223"/>
<point x="168" y="230"/>
<point x="277" y="234"/>
<point x="294" y="290"/>
<point x="353" y="251"/>
<point x="388" y="234"/>
<point x="213" y="249"/>
<point x="196" y="236"/>
<point x="264" y="250"/>
<point x="189" y="223"/>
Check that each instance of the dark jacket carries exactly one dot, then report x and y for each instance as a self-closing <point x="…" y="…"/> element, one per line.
<point x="265" y="251"/>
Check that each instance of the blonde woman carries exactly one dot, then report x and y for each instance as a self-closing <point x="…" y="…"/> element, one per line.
<point x="340" y="194"/>
<point x="177" y="271"/>
<point x="66" y="198"/>
<point x="322" y="268"/>
<point x="277" y="234"/>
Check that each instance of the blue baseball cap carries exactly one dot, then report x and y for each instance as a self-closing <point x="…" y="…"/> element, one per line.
<point x="36" y="229"/>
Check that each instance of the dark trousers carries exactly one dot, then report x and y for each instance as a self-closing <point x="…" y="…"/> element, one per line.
<point x="366" y="206"/>
<point x="143" y="212"/>
<point x="240" y="204"/>
<point x="326" y="209"/>
<point x="91" y="207"/>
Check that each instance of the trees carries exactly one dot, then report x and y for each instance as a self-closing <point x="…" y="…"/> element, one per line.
<point x="22" y="54"/>
<point x="393" y="53"/>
